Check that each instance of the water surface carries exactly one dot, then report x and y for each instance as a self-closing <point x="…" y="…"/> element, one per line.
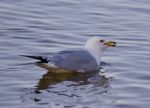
<point x="38" y="27"/>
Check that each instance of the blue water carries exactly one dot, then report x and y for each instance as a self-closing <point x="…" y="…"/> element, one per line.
<point x="37" y="27"/>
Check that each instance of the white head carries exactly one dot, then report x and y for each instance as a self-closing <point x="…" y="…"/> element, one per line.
<point x="96" y="45"/>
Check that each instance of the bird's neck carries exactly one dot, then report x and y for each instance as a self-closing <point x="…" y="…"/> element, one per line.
<point x="95" y="53"/>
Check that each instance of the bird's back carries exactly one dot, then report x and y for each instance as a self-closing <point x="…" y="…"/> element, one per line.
<point x="77" y="60"/>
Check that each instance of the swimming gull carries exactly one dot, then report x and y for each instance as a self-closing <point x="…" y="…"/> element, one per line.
<point x="81" y="60"/>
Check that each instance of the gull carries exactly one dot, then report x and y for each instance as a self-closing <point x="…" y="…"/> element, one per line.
<point x="86" y="59"/>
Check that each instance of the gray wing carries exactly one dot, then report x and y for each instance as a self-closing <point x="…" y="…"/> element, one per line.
<point x="74" y="60"/>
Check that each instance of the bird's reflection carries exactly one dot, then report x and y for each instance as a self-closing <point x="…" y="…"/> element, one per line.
<point x="54" y="76"/>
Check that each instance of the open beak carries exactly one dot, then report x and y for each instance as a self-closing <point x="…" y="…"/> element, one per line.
<point x="110" y="43"/>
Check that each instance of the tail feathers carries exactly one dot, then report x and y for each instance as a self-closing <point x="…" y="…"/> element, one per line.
<point x="42" y="59"/>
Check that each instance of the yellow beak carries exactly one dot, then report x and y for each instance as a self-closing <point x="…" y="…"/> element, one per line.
<point x="111" y="43"/>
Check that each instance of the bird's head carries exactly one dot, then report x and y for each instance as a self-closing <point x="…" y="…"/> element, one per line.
<point x="96" y="45"/>
<point x="99" y="44"/>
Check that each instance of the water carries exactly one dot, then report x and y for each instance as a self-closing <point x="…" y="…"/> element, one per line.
<point x="38" y="27"/>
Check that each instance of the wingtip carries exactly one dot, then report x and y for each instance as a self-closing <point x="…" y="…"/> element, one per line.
<point x="42" y="59"/>
<point x="23" y="55"/>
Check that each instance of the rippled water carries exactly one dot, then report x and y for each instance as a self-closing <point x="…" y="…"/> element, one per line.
<point x="37" y="27"/>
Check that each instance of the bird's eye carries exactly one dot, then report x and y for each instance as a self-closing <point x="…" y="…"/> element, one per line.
<point x="101" y="41"/>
